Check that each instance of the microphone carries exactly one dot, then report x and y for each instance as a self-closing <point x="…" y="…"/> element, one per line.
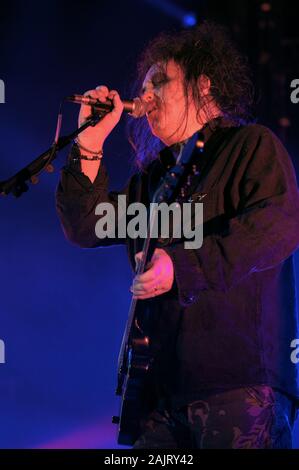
<point x="135" y="107"/>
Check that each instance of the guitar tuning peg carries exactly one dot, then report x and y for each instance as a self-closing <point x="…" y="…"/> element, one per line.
<point x="50" y="168"/>
<point x="34" y="179"/>
<point x="200" y="145"/>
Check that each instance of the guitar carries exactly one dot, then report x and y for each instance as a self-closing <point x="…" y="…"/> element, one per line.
<point x="135" y="359"/>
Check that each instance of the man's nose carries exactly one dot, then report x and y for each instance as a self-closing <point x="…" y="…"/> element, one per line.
<point x="148" y="96"/>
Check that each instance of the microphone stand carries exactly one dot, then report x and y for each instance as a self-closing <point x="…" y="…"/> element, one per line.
<point x="17" y="183"/>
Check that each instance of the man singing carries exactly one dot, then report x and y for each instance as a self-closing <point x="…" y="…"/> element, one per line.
<point x="224" y="315"/>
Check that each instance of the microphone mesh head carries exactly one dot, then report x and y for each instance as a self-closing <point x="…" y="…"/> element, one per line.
<point x="139" y="108"/>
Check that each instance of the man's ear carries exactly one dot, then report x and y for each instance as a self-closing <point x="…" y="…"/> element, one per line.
<point x="204" y="85"/>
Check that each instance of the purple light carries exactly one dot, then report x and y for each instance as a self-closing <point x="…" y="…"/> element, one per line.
<point x="98" y="435"/>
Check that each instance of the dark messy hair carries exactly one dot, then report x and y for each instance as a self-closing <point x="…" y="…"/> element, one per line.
<point x="205" y="50"/>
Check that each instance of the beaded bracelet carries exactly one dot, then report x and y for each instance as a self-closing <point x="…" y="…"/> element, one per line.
<point x="100" y="152"/>
<point x="85" y="157"/>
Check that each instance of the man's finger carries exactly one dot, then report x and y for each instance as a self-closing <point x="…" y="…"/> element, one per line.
<point x="148" y="295"/>
<point x="149" y="275"/>
<point x="145" y="287"/>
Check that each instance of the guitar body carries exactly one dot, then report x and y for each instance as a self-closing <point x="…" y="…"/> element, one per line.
<point x="132" y="386"/>
<point x="133" y="402"/>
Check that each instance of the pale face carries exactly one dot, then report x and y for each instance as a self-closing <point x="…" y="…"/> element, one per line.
<point x="163" y="91"/>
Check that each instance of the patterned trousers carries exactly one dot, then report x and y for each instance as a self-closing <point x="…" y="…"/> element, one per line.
<point x="256" y="417"/>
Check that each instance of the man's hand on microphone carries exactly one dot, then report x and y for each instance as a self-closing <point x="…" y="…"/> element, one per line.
<point x="93" y="137"/>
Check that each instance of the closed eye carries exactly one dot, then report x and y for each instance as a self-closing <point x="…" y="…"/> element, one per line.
<point x="158" y="84"/>
<point x="159" y="79"/>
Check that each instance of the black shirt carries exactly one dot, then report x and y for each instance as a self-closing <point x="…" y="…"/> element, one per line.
<point x="231" y="316"/>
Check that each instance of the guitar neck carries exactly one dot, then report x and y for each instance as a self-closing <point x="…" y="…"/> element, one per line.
<point x="147" y="250"/>
<point x="163" y="193"/>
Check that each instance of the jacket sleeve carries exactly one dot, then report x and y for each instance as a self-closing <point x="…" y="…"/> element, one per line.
<point x="262" y="233"/>
<point x="76" y="202"/>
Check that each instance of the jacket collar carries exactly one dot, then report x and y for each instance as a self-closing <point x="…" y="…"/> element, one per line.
<point x="167" y="155"/>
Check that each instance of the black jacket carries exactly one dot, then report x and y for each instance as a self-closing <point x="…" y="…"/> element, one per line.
<point x="231" y="316"/>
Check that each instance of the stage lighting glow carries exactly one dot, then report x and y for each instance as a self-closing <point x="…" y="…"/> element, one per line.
<point x="189" y="19"/>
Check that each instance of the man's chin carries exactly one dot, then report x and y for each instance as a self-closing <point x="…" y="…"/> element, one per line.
<point x="158" y="132"/>
<point x="163" y="134"/>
